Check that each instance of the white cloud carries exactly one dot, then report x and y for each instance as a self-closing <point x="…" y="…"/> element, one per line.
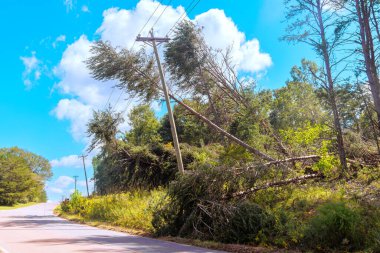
<point x="251" y="59"/>
<point x="85" y="8"/>
<point x="72" y="161"/>
<point x="82" y="183"/>
<point x="69" y="4"/>
<point x="32" y="72"/>
<point x="77" y="113"/>
<point x="75" y="80"/>
<point x="75" y="77"/>
<point x="221" y="32"/>
<point x="120" y="27"/>
<point x="63" y="182"/>
<point x="64" y="186"/>
<point x="54" y="189"/>
<point x="60" y="38"/>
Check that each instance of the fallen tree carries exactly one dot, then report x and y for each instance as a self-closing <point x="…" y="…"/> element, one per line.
<point x="295" y="180"/>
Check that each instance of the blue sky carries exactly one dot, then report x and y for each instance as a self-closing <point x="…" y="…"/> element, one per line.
<point x="47" y="96"/>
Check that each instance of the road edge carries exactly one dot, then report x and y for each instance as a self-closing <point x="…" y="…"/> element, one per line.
<point x="232" y="248"/>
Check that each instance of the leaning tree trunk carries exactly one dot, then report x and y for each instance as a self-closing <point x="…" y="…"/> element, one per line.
<point x="223" y="132"/>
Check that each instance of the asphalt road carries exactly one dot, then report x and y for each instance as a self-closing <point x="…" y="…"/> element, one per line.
<point x="35" y="229"/>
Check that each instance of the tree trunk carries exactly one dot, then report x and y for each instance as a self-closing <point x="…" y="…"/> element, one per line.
<point x="331" y="91"/>
<point x="368" y="51"/>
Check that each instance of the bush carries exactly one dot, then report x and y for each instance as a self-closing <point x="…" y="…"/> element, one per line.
<point x="190" y="196"/>
<point x="76" y="205"/>
<point x="335" y="226"/>
<point x="248" y="223"/>
<point x="197" y="207"/>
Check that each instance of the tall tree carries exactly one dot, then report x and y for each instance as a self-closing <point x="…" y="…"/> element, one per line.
<point x="295" y="105"/>
<point x="144" y="126"/>
<point x="316" y="23"/>
<point x="364" y="14"/>
<point x="20" y="180"/>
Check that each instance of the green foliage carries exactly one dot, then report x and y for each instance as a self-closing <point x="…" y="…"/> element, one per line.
<point x="103" y="128"/>
<point x="76" y="205"/>
<point x="295" y="106"/>
<point x="38" y="164"/>
<point x="144" y="126"/>
<point x="227" y="193"/>
<point x="131" y="167"/>
<point x="235" y="155"/>
<point x="292" y="207"/>
<point x="182" y="54"/>
<point x="362" y="149"/>
<point x="130" y="210"/>
<point x="22" y="176"/>
<point x="247" y="223"/>
<point x="304" y="138"/>
<point x="147" y="167"/>
<point x="195" y="207"/>
<point x="134" y="71"/>
<point x="248" y="124"/>
<point x="335" y="226"/>
<point x="190" y="130"/>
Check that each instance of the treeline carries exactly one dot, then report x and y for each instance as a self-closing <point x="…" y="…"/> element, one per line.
<point x="22" y="176"/>
<point x="294" y="167"/>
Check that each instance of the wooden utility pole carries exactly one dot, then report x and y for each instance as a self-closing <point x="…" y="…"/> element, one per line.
<point x="75" y="178"/>
<point x="153" y="42"/>
<point x="85" y="173"/>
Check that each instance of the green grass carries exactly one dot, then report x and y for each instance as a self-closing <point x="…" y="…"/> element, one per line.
<point x="17" y="206"/>
<point x="127" y="210"/>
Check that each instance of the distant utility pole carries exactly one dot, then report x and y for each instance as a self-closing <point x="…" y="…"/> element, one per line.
<point x="152" y="42"/>
<point x="85" y="173"/>
<point x="75" y="178"/>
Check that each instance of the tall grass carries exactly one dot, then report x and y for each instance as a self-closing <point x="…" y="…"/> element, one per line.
<point x="133" y="210"/>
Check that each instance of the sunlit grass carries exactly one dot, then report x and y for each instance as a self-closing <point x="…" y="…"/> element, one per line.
<point x="126" y="210"/>
<point x="17" y="206"/>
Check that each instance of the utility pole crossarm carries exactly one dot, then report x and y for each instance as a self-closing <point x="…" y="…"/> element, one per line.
<point x="151" y="39"/>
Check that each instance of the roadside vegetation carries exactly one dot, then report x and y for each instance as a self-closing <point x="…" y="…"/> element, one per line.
<point x="17" y="206"/>
<point x="22" y="177"/>
<point x="295" y="167"/>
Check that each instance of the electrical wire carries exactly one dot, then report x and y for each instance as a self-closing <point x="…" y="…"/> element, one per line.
<point x="140" y="31"/>
<point x="187" y="10"/>
<point x="163" y="11"/>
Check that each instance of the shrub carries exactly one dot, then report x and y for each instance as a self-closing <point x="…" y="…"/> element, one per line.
<point x="335" y="226"/>
<point x="247" y="223"/>
<point x="189" y="197"/>
<point x="76" y="205"/>
<point x="197" y="207"/>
